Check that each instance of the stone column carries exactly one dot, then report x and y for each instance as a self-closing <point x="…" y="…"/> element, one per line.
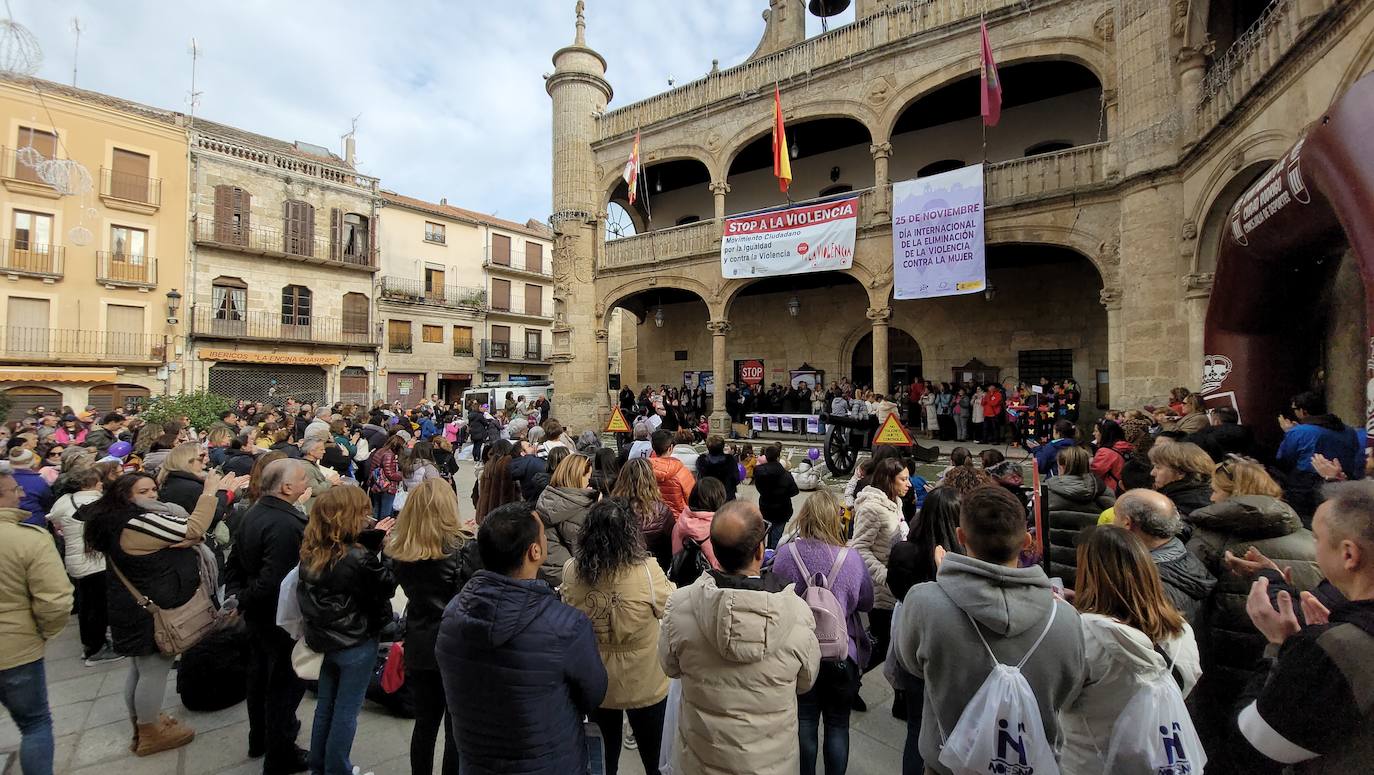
<point x="603" y="356"/>
<point x="719" y="189"/>
<point x="1110" y="297"/>
<point x="1192" y="67"/>
<point x="1197" y="290"/>
<point x="720" y="421"/>
<point x="880" y="317"/>
<point x="881" y="153"/>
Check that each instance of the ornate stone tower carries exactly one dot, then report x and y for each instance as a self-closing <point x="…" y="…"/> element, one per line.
<point x="579" y="91"/>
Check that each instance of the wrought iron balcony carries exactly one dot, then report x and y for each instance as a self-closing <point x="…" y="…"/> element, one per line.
<point x="516" y="306"/>
<point x="518" y="262"/>
<point x="273" y="242"/>
<point x="22" y="257"/>
<point x="494" y="350"/>
<point x="349" y="331"/>
<point x="418" y="292"/>
<point x="67" y="346"/>
<point x="130" y="188"/>
<point x="126" y="270"/>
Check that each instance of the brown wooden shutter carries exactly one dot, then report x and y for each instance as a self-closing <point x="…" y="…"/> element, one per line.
<point x="500" y="294"/>
<point x="309" y="236"/>
<point x="534" y="299"/>
<point x="335" y="234"/>
<point x="129" y="178"/>
<point x="500" y="249"/>
<point x="224" y="213"/>
<point x="289" y="227"/>
<point x="243" y="208"/>
<point x="534" y="257"/>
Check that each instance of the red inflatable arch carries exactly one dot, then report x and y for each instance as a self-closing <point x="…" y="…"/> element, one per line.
<point x="1317" y="199"/>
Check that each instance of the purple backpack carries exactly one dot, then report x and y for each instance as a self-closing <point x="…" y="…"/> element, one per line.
<point x="831" y="629"/>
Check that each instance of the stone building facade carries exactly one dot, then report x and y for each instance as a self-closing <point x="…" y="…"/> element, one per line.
<point x="282" y="267"/>
<point x="1129" y="129"/>
<point x="87" y="276"/>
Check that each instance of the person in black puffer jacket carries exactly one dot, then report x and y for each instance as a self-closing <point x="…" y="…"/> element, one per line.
<point x="520" y="669"/>
<point x="433" y="558"/>
<point x="1183" y="472"/>
<point x="529" y="471"/>
<point x="181" y="481"/>
<point x="716" y="464"/>
<point x="1076" y="500"/>
<point x="345" y="597"/>
<point x="776" y="489"/>
<point x="238" y="459"/>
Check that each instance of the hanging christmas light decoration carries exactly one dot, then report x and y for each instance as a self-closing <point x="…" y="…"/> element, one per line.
<point x="67" y="176"/>
<point x="29" y="156"/>
<point x="20" y="53"/>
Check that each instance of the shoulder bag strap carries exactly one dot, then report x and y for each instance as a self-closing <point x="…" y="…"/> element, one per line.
<point x="835" y="567"/>
<point x="1169" y="665"/>
<point x="796" y="555"/>
<point x="140" y="599"/>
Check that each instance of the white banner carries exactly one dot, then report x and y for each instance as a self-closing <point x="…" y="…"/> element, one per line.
<point x="814" y="237"/>
<point x="937" y="235"/>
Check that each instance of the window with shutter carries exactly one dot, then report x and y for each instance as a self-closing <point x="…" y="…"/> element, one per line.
<point x="500" y="341"/>
<point x="534" y="344"/>
<point x="356" y="239"/>
<point x="32" y="248"/>
<point x="295" y="312"/>
<point x="39" y="140"/>
<point x="500" y="295"/>
<point x="462" y="340"/>
<point x="335" y="234"/>
<point x="230" y="302"/>
<point x="232" y="206"/>
<point x="534" y="257"/>
<point x="534" y="299"/>
<point x="26" y="329"/>
<point x="398" y="336"/>
<point x="355" y="315"/>
<point x="129" y="176"/>
<point x="434" y="284"/>
<point x="432" y="334"/>
<point x="124" y="331"/>
<point x="500" y="249"/>
<point x="299" y="234"/>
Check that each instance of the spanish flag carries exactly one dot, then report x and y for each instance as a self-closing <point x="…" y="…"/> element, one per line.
<point x="782" y="165"/>
<point x="631" y="173"/>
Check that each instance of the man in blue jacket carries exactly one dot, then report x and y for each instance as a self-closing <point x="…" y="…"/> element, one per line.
<point x="520" y="668"/>
<point x="1065" y="434"/>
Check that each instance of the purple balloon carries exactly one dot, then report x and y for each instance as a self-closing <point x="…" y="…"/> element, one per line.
<point x="742" y="475"/>
<point x="120" y="449"/>
<point x="814" y="454"/>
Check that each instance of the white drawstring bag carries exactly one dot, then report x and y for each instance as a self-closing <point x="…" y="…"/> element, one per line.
<point x="670" y="716"/>
<point x="1000" y="729"/>
<point x="1154" y="733"/>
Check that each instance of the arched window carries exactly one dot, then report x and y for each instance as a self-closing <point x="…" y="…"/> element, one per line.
<point x="842" y="188"/>
<point x="229" y="298"/>
<point x="936" y="167"/>
<point x="355" y="314"/>
<point x="1049" y="146"/>
<point x="295" y="305"/>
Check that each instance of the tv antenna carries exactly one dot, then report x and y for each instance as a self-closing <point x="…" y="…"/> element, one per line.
<point x="76" y="48"/>
<point x="193" y="97"/>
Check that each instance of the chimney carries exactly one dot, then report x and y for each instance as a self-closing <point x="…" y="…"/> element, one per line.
<point x="444" y="201"/>
<point x="350" y="149"/>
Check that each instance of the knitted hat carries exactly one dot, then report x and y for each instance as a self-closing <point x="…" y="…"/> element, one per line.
<point x="21" y="458"/>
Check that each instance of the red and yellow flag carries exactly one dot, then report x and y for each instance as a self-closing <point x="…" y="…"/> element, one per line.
<point x="782" y="165"/>
<point x="631" y="174"/>
<point x="991" y="97"/>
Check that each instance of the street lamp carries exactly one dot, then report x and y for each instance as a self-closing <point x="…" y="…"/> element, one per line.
<point x="794" y="305"/>
<point x="658" y="316"/>
<point x="990" y="292"/>
<point x="173" y="305"/>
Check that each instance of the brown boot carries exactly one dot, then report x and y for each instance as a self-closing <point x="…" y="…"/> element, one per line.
<point x="158" y="736"/>
<point x="133" y="741"/>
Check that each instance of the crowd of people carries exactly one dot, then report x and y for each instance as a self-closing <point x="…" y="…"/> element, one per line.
<point x="635" y="597"/>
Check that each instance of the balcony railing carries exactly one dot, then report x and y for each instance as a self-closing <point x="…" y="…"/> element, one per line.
<point x="73" y="345"/>
<point x="517" y="261"/>
<point x="494" y="350"/>
<point x="517" y="306"/>
<point x="210" y="323"/>
<point x="270" y="241"/>
<point x="123" y="269"/>
<point x="1045" y="174"/>
<point x="1233" y="74"/>
<point x="398" y="345"/>
<point x="1005" y="183"/>
<point x="756" y="77"/>
<point x="463" y="349"/>
<point x="415" y="292"/>
<point x="13" y="169"/>
<point x="31" y="258"/>
<point x="280" y="162"/>
<point x="130" y="187"/>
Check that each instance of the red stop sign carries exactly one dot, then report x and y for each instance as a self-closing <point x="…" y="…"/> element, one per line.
<point x="751" y="372"/>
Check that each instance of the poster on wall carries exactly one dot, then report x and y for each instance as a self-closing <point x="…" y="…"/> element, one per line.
<point x="816" y="237"/>
<point x="706" y="380"/>
<point x="811" y="377"/>
<point x="937" y="235"/>
<point x="749" y="372"/>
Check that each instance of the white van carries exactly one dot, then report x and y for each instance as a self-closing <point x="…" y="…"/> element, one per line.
<point x="493" y="394"/>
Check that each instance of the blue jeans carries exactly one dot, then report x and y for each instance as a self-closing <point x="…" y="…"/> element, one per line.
<point x="344" y="677"/>
<point x="831" y="698"/>
<point x="382" y="504"/>
<point x="24" y="693"/>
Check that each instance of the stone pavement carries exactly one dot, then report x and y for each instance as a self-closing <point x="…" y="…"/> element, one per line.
<point x="92" y="729"/>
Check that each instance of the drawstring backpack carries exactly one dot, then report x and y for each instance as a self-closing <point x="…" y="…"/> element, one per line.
<point x="1154" y="734"/>
<point x="1000" y="730"/>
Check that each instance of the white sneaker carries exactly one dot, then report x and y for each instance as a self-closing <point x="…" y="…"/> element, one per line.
<point x="358" y="771"/>
<point x="630" y="743"/>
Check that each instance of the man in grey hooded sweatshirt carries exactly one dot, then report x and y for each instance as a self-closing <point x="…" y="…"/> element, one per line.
<point x="934" y="635"/>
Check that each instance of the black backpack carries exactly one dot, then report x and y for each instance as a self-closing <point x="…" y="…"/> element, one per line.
<point x="213" y="674"/>
<point x="688" y="563"/>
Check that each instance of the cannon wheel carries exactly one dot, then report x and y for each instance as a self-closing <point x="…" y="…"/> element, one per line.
<point x="840" y="456"/>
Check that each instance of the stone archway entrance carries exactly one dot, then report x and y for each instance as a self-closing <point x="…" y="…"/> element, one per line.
<point x="903" y="357"/>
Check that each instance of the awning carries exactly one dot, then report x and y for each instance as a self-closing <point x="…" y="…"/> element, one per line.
<point x="59" y="375"/>
<point x="293" y="359"/>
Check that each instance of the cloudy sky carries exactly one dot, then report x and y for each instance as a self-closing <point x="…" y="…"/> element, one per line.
<point x="449" y="94"/>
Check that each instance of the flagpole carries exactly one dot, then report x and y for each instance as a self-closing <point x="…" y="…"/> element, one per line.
<point x="982" y="20"/>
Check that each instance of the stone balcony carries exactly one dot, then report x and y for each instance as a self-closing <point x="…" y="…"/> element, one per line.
<point x="1011" y="183"/>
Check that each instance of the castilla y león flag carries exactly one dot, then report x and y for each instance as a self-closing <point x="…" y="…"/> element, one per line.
<point x="992" y="86"/>
<point x="782" y="165"/>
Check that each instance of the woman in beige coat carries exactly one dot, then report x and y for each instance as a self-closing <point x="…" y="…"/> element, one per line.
<point x="622" y="589"/>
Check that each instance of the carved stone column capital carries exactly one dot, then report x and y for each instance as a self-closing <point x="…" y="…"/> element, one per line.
<point x="880" y="150"/>
<point x="880" y="315"/>
<point x="720" y="187"/>
<point x="718" y="327"/>
<point x="602" y="335"/>
<point x="1110" y="297"/>
<point x="1198" y="284"/>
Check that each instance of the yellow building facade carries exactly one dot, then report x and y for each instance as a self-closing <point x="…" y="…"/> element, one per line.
<point x="88" y="277"/>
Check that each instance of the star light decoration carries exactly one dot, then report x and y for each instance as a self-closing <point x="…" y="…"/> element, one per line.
<point x="20" y="53"/>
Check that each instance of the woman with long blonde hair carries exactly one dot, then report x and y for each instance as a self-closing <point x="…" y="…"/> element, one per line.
<point x="345" y="596"/>
<point x="637" y="485"/>
<point x="1131" y="634"/>
<point x="563" y="506"/>
<point x="819" y="548"/>
<point x="433" y="556"/>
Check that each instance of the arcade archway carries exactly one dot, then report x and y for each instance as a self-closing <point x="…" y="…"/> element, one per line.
<point x="903" y="357"/>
